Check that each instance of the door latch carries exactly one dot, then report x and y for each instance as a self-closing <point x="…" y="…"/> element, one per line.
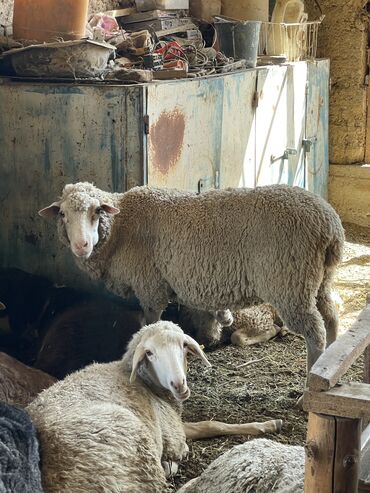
<point x="289" y="151"/>
<point x="308" y="143"/>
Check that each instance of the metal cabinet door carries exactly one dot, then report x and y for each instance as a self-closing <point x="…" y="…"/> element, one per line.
<point x="50" y="135"/>
<point x="185" y="133"/>
<point x="280" y="124"/>
<point x="238" y="146"/>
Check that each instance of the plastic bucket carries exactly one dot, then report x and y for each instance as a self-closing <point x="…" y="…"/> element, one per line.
<point x="50" y="20"/>
<point x="239" y="39"/>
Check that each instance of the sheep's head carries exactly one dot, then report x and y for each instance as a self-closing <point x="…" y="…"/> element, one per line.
<point x="81" y="211"/>
<point x="159" y="351"/>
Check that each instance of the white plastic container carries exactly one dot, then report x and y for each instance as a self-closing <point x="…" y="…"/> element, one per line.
<point x="144" y="5"/>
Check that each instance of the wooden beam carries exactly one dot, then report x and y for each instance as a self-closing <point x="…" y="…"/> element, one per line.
<point x="320" y="450"/>
<point x="351" y="400"/>
<point x="336" y="360"/>
<point x="347" y="455"/>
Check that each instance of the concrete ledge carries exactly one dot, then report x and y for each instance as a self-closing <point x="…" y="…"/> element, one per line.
<point x="349" y="192"/>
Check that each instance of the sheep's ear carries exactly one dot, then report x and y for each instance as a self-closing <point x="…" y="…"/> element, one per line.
<point x="2" y="306"/>
<point x="139" y="355"/>
<point x="194" y="348"/>
<point x="51" y="211"/>
<point x="109" y="209"/>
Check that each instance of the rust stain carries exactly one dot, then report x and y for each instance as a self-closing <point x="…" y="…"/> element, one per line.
<point x="166" y="140"/>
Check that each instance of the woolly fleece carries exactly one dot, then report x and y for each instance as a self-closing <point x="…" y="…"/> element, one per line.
<point x="101" y="434"/>
<point x="219" y="250"/>
<point x="258" y="466"/>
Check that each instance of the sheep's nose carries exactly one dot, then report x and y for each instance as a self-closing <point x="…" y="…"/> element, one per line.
<point x="178" y="386"/>
<point x="81" y="244"/>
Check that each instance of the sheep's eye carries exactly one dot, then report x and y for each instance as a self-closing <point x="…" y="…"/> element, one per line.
<point x="148" y="353"/>
<point x="185" y="344"/>
<point x="61" y="213"/>
<point x="98" y="210"/>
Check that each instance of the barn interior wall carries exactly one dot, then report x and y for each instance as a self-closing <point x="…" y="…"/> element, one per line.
<point x="343" y="39"/>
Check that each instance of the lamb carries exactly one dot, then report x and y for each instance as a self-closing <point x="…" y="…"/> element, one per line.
<point x="120" y="423"/>
<point x="250" y="325"/>
<point x="216" y="251"/>
<point x="257" y="466"/>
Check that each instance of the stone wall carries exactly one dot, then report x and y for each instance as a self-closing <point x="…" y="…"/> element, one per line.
<point x="343" y="39"/>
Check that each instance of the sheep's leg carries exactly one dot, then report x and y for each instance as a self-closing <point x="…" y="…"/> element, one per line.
<point x="326" y="307"/>
<point x="310" y="325"/>
<point x="210" y="429"/>
<point x="240" y="338"/>
<point x="152" y="316"/>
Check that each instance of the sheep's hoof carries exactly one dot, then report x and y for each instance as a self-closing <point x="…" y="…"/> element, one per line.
<point x="299" y="403"/>
<point x="170" y="468"/>
<point x="279" y="425"/>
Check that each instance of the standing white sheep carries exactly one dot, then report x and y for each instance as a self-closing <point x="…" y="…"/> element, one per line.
<point x="116" y="427"/>
<point x="214" y="251"/>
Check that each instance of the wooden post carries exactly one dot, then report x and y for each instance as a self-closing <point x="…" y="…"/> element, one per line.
<point x="320" y="450"/>
<point x="347" y="455"/>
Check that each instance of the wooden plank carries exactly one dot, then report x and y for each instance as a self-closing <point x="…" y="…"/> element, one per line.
<point x="365" y="437"/>
<point x="347" y="455"/>
<point x="336" y="360"/>
<point x="320" y="448"/>
<point x="367" y="365"/>
<point x="351" y="400"/>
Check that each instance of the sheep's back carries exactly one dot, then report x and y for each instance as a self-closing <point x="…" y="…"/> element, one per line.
<point x="98" y="434"/>
<point x="225" y="245"/>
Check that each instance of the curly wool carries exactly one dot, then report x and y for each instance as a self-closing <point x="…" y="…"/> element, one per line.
<point x="257" y="466"/>
<point x="19" y="452"/>
<point x="279" y="244"/>
<point x="95" y="424"/>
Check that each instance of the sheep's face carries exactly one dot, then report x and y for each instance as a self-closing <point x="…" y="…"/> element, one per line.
<point x="163" y="357"/>
<point x="80" y="216"/>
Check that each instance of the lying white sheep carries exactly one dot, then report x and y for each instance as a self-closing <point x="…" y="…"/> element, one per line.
<point x="258" y="466"/>
<point x="116" y="427"/>
<point x="214" y="251"/>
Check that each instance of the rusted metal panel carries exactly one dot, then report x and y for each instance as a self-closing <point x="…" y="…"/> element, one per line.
<point x="50" y="135"/>
<point x="185" y="133"/>
<point x="317" y="127"/>
<point x="189" y="134"/>
<point x="202" y="132"/>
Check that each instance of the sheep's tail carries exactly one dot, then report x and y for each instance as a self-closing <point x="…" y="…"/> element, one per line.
<point x="334" y="251"/>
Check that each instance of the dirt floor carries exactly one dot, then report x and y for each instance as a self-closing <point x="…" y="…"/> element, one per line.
<point x="264" y="381"/>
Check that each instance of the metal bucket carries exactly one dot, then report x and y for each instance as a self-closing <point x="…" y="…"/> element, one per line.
<point x="239" y="39"/>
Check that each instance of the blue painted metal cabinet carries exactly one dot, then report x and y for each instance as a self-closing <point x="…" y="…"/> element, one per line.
<point x="260" y="126"/>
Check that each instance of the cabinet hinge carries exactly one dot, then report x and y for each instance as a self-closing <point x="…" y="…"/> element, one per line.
<point x="146" y="124"/>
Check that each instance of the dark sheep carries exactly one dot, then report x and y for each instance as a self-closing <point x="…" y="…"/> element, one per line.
<point x="29" y="304"/>
<point x="96" y="330"/>
<point x="20" y="384"/>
